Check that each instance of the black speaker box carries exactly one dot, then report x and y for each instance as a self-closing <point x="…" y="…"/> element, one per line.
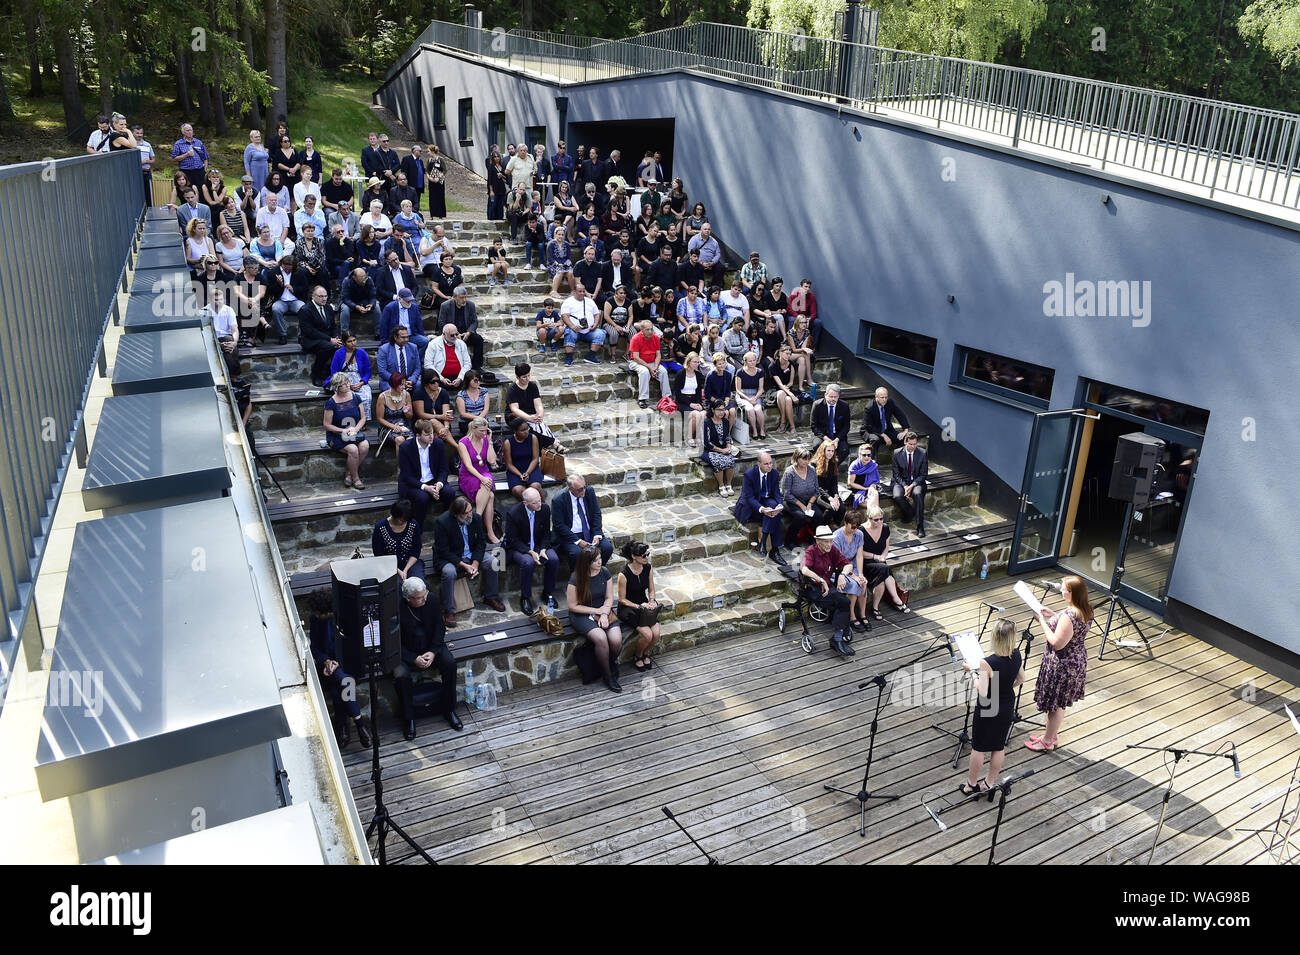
<point x="1134" y="472"/>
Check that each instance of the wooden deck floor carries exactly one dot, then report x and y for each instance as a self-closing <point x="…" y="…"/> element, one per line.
<point x="739" y="737"/>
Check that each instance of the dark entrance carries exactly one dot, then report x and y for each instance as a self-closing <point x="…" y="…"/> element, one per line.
<point x="633" y="138"/>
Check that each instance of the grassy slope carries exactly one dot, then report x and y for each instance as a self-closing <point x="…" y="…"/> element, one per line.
<point x="337" y="117"/>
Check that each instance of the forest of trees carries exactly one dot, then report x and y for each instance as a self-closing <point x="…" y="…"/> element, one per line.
<point x="245" y="61"/>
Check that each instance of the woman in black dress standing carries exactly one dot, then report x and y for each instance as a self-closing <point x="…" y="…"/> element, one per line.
<point x="999" y="675"/>
<point x="435" y="171"/>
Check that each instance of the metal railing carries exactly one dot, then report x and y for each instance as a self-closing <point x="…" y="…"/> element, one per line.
<point x="69" y="226"/>
<point x="1223" y="147"/>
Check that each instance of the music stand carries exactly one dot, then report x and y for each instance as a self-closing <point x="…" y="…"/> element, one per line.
<point x="1117" y="601"/>
<point x="1178" y="755"/>
<point x="964" y="738"/>
<point x="1285" y="793"/>
<point x="864" y="795"/>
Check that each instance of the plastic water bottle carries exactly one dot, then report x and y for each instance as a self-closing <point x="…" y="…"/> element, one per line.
<point x="984" y="571"/>
<point x="469" y="687"/>
<point x="550" y="604"/>
<point x="812" y="389"/>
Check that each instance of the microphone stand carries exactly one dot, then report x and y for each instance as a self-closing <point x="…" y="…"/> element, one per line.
<point x="669" y="813"/>
<point x="864" y="795"/>
<point x="1178" y="755"/>
<point x="1004" y="788"/>
<point x="1026" y="646"/>
<point x="963" y="738"/>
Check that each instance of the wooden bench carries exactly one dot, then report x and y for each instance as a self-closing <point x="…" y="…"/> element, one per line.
<point x="519" y="632"/>
<point x="381" y="495"/>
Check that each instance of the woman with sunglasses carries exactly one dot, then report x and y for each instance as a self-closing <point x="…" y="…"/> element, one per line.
<point x="864" y="478"/>
<point x="875" y="567"/>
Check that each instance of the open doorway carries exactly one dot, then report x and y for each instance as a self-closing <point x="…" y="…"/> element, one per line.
<point x="1068" y="518"/>
<point x="633" y="139"/>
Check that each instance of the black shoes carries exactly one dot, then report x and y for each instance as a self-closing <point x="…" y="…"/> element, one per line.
<point x="776" y="557"/>
<point x="613" y="684"/>
<point x="840" y="646"/>
<point x="762" y="548"/>
<point x="862" y="625"/>
<point x="526" y="605"/>
<point x="454" y="721"/>
<point x="920" y="532"/>
<point x="341" y="732"/>
<point x="363" y="734"/>
<point x="409" y="732"/>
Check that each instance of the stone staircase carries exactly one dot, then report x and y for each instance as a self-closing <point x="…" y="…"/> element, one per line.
<point x="650" y="484"/>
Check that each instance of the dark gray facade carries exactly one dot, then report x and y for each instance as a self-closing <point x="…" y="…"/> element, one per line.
<point x="890" y="220"/>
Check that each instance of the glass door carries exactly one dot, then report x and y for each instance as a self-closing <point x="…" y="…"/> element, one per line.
<point x="1053" y="448"/>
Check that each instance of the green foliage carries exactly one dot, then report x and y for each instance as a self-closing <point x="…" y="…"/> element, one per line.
<point x="1276" y="25"/>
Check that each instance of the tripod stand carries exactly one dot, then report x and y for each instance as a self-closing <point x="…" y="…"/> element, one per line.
<point x="1004" y="788"/>
<point x="381" y="823"/>
<point x="1116" y="600"/>
<point x="669" y="813"/>
<point x="1276" y="829"/>
<point x="258" y="462"/>
<point x="963" y="738"/>
<point x="1178" y="755"/>
<point x="865" y="795"/>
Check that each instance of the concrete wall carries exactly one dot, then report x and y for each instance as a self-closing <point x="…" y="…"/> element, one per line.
<point x="862" y="207"/>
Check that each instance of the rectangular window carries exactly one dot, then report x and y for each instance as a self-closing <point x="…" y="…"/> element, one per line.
<point x="1018" y="382"/>
<point x="466" y="132"/>
<point x="497" y="131"/>
<point x="893" y="346"/>
<point x="1146" y="406"/>
<point x="440" y="107"/>
<point x="534" y="135"/>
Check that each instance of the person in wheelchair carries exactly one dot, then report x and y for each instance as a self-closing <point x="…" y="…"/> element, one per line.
<point x="826" y="577"/>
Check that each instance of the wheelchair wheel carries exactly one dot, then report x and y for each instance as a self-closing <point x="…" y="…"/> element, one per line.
<point x="818" y="612"/>
<point x="780" y="619"/>
<point x="807" y="643"/>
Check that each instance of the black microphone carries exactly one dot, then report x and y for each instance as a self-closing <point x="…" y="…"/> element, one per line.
<point x="995" y="607"/>
<point x="1236" y="765"/>
<point x="1052" y="585"/>
<point x="877" y="680"/>
<point x="937" y="821"/>
<point x="952" y="647"/>
<point x="1015" y="779"/>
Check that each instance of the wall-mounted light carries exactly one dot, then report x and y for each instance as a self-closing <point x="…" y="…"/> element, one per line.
<point x="1105" y="199"/>
<point x="951" y="299"/>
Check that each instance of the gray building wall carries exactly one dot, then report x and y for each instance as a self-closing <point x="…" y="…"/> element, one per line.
<point x="861" y="206"/>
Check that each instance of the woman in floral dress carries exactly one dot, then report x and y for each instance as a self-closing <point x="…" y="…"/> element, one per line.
<point x="1062" y="673"/>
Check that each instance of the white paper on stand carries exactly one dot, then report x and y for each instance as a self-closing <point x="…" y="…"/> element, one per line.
<point x="968" y="645"/>
<point x="1024" y="593"/>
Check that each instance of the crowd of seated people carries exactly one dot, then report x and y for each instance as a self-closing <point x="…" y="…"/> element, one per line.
<point x="636" y="274"/>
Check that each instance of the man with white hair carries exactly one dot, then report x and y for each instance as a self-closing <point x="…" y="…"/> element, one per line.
<point x="528" y="544"/>
<point x="830" y="421"/>
<point x="424" y="648"/>
<point x="521" y="167"/>
<point x="463" y="314"/>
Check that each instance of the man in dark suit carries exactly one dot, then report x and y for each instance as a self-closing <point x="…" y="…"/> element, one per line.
<point x="528" y="543"/>
<point x="358" y="297"/>
<point x="883" y="423"/>
<point x="910" y="468"/>
<point x="324" y="653"/>
<point x="287" y="276"/>
<point x="413" y="167"/>
<point x="392" y="277"/>
<point x="831" y="421"/>
<point x="402" y="312"/>
<point x="760" y="498"/>
<point x="424" y="647"/>
<point x="422" y="470"/>
<point x="318" y="333"/>
<point x="575" y="518"/>
<point x="402" y="190"/>
<point x="370" y="163"/>
<point x="400" y="355"/>
<point x="459" y="546"/>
